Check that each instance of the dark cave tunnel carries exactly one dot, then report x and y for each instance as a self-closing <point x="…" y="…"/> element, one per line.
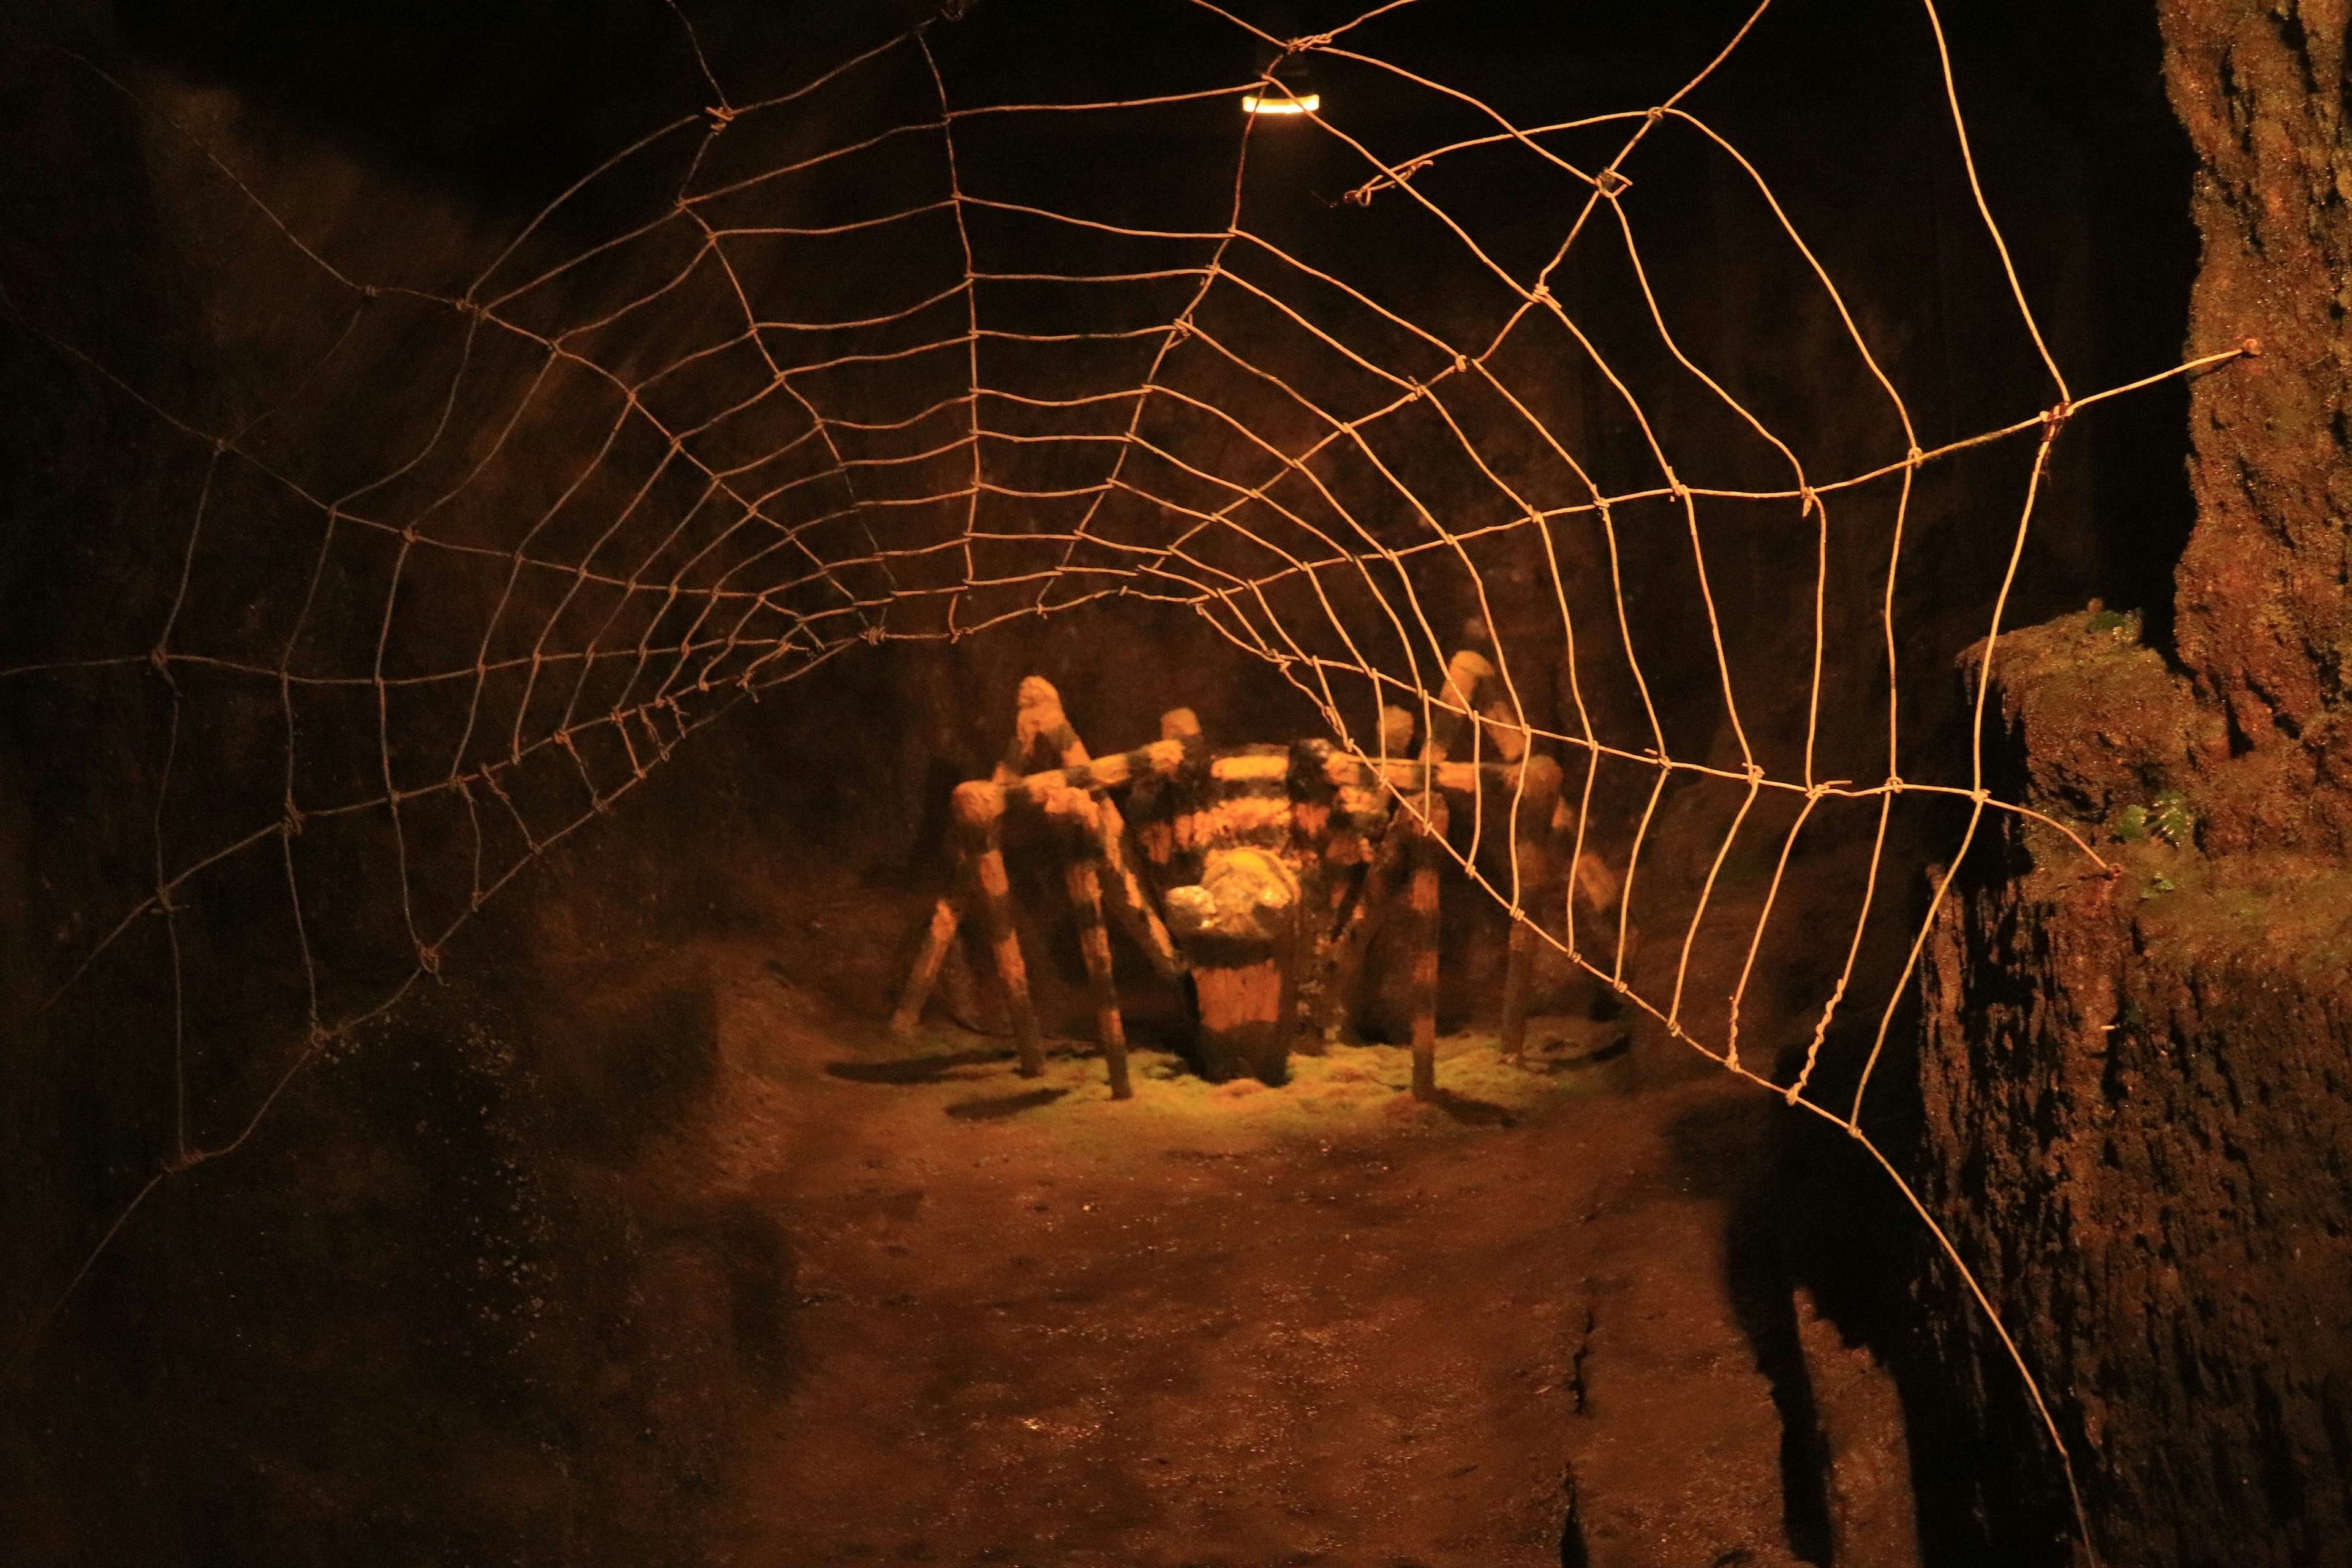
<point x="627" y="1235"/>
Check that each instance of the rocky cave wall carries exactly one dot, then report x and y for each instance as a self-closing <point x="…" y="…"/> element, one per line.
<point x="2134" y="1085"/>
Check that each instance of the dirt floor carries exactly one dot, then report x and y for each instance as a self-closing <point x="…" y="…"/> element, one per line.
<point x="1236" y="1325"/>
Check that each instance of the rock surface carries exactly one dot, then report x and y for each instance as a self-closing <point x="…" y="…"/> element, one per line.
<point x="2134" y="1084"/>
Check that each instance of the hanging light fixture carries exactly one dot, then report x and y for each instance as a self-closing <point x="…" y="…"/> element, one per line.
<point x="1288" y="89"/>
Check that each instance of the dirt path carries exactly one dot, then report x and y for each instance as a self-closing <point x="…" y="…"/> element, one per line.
<point x="1237" y="1326"/>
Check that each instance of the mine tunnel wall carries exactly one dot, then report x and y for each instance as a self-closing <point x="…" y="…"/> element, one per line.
<point x="2135" y="1121"/>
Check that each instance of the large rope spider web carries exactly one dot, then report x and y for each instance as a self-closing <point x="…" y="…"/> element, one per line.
<point x="795" y="375"/>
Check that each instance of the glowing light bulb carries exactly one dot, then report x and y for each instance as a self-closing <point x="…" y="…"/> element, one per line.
<point x="1285" y="103"/>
